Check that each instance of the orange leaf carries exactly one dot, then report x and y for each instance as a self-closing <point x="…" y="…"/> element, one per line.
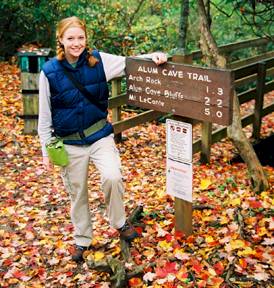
<point x="182" y="274"/>
<point x="216" y="282"/>
<point x="135" y="282"/>
<point x="255" y="204"/>
<point x="243" y="263"/>
<point x="18" y="274"/>
<point x="197" y="267"/>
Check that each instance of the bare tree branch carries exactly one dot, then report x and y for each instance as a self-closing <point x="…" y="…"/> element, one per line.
<point x="131" y="19"/>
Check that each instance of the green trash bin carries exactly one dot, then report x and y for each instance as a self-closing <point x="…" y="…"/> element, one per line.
<point x="31" y="63"/>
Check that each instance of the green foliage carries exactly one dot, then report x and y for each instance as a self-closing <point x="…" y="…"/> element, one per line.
<point x="26" y="21"/>
<point x="127" y="27"/>
<point x="238" y="19"/>
<point x="130" y="29"/>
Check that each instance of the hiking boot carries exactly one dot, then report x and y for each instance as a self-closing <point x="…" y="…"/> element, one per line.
<point x="127" y="232"/>
<point x="77" y="255"/>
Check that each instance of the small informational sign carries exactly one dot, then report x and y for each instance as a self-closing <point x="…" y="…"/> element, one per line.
<point x="179" y="179"/>
<point x="179" y="159"/>
<point x="179" y="140"/>
<point x="196" y="92"/>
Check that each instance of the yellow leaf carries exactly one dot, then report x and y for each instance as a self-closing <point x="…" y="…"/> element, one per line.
<point x="212" y="271"/>
<point x="237" y="244"/>
<point x="79" y="277"/>
<point x="209" y="218"/>
<point x="96" y="240"/>
<point x="224" y="220"/>
<point x="205" y="183"/>
<point x="167" y="246"/>
<point x="60" y="244"/>
<point x="160" y="193"/>
<point x="262" y="231"/>
<point x="209" y="239"/>
<point x="180" y="254"/>
<point x="150" y="222"/>
<point x="246" y="252"/>
<point x="116" y="251"/>
<point x="264" y="194"/>
<point x="98" y="255"/>
<point x="149" y="253"/>
<point x="235" y="202"/>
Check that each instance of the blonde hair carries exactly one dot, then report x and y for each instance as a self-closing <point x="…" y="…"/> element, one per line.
<point x="62" y="26"/>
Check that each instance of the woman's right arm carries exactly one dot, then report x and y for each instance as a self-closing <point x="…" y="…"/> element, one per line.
<point x="44" y="120"/>
<point x="115" y="66"/>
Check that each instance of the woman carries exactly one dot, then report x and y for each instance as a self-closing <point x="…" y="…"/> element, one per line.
<point x="82" y="124"/>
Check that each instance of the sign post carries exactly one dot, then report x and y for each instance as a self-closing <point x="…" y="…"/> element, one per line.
<point x="199" y="93"/>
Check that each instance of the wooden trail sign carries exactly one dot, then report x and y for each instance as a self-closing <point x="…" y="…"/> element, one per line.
<point x="199" y="93"/>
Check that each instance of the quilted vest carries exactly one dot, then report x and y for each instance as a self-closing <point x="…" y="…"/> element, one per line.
<point x="71" y="111"/>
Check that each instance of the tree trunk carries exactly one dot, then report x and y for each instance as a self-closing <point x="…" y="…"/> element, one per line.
<point x="235" y="133"/>
<point x="207" y="9"/>
<point x="183" y="26"/>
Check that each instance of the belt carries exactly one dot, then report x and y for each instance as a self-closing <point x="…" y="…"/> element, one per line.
<point x="87" y="132"/>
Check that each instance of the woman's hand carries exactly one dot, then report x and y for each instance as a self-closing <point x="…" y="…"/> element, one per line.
<point x="159" y="58"/>
<point x="47" y="164"/>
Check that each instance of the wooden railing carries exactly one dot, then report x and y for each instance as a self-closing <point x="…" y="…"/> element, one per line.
<point x="254" y="69"/>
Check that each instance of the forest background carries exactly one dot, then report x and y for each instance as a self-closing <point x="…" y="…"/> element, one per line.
<point x="130" y="27"/>
<point x="232" y="225"/>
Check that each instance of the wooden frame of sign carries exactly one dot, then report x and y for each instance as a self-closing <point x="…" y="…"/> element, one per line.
<point x="196" y="92"/>
<point x="185" y="90"/>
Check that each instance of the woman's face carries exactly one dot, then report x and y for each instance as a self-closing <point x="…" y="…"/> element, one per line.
<point x="74" y="41"/>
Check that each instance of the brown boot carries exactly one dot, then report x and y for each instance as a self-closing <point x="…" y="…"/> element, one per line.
<point x="77" y="255"/>
<point x="127" y="232"/>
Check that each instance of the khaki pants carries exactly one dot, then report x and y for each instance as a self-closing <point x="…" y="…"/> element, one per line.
<point x="105" y="156"/>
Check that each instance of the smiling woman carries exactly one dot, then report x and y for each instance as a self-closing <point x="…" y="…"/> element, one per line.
<point x="73" y="102"/>
<point x="74" y="43"/>
<point x="72" y="40"/>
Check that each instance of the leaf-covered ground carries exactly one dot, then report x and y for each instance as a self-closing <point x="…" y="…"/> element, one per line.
<point x="232" y="241"/>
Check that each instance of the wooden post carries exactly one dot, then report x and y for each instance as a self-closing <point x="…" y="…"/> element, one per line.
<point x="183" y="216"/>
<point x="116" y="112"/>
<point x="30" y="92"/>
<point x="30" y="105"/>
<point x="183" y="208"/>
<point x="206" y="140"/>
<point x="259" y="100"/>
<point x="187" y="59"/>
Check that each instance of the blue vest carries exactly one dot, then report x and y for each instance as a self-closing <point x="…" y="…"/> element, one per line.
<point x="71" y="111"/>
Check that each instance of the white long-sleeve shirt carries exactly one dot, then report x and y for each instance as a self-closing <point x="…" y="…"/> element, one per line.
<point x="114" y="67"/>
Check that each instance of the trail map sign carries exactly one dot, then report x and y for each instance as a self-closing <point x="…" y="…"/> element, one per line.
<point x="200" y="93"/>
<point x="179" y="141"/>
<point x="179" y="159"/>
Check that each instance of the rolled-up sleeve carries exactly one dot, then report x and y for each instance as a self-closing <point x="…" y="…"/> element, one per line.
<point x="44" y="120"/>
<point x="115" y="66"/>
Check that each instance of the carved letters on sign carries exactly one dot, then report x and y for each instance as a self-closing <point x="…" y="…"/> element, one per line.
<point x="195" y="92"/>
